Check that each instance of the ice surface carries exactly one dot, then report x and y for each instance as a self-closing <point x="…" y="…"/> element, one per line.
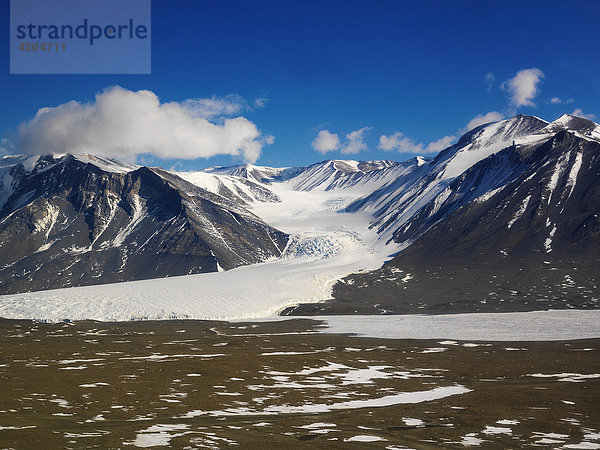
<point x="518" y="326"/>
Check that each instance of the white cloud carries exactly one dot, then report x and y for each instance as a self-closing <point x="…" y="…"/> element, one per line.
<point x="403" y="144"/>
<point x="579" y="113"/>
<point x="5" y="146"/>
<point x="523" y="87"/>
<point x="214" y="106"/>
<point x="489" y="80"/>
<point x="326" y="142"/>
<point x="219" y="107"/>
<point x="400" y="143"/>
<point x="125" y="124"/>
<point x="440" y="144"/>
<point x="260" y="102"/>
<point x="355" y="142"/>
<point x="559" y="101"/>
<point x="481" y="119"/>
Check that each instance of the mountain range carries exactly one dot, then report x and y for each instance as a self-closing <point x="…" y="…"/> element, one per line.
<point x="505" y="219"/>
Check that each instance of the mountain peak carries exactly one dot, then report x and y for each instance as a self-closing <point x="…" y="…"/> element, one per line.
<point x="582" y="127"/>
<point x="569" y="120"/>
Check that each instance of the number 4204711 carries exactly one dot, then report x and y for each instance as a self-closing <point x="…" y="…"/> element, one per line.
<point x="43" y="47"/>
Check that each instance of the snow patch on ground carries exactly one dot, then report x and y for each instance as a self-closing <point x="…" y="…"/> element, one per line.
<point x="520" y="212"/>
<point x="317" y="408"/>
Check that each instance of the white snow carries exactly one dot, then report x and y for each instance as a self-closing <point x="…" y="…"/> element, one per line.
<point x="490" y="430"/>
<point x="572" y="180"/>
<point x="520" y="212"/>
<point x="412" y="422"/>
<point x="583" y="445"/>
<point x="105" y="164"/>
<point x="559" y="168"/>
<point x="364" y="438"/>
<point x="317" y="425"/>
<point x="548" y="241"/>
<point x="318" y="408"/>
<point x="471" y="440"/>
<point x="158" y="435"/>
<point x="485" y="197"/>
<point x="137" y="216"/>
<point x="507" y="422"/>
<point x="490" y="140"/>
<point x="573" y="377"/>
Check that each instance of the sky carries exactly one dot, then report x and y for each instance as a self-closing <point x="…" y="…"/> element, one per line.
<point x="289" y="83"/>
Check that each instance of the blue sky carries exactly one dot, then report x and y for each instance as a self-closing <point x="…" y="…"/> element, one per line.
<point x="294" y="69"/>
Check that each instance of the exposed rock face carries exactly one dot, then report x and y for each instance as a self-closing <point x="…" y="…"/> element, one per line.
<point x="69" y="222"/>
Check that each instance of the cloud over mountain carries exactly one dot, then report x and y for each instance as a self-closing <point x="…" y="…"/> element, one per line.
<point x="354" y="142"/>
<point x="403" y="144"/>
<point x="326" y="142"/>
<point x="125" y="123"/>
<point x="523" y="87"/>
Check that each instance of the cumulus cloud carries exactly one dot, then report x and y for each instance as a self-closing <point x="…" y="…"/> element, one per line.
<point x="481" y="119"/>
<point x="326" y="142"/>
<point x="125" y="124"/>
<point x="489" y="80"/>
<point x="440" y="144"/>
<point x="523" y="87"/>
<point x="398" y="142"/>
<point x="403" y="144"/>
<point x="559" y="101"/>
<point x="579" y="113"/>
<point x="355" y="141"/>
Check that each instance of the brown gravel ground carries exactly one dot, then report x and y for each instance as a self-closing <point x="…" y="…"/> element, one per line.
<point x="196" y="384"/>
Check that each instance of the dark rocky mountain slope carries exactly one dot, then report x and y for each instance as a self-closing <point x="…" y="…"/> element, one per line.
<point x="518" y="231"/>
<point x="75" y="221"/>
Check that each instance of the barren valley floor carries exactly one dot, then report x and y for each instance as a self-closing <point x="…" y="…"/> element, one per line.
<point x="219" y="384"/>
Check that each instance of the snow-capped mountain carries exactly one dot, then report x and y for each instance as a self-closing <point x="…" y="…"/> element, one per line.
<point x="326" y="175"/>
<point x="78" y="220"/>
<point x="517" y="230"/>
<point x="507" y="194"/>
<point x="406" y="208"/>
